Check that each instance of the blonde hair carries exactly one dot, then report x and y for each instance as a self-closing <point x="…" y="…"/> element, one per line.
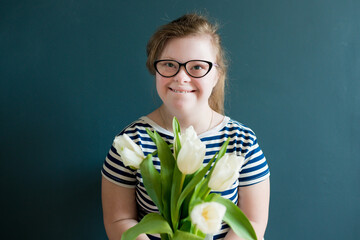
<point x="191" y="24"/>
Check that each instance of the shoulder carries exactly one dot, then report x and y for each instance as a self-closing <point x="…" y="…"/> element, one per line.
<point x="236" y="129"/>
<point x="137" y="131"/>
<point x="137" y="126"/>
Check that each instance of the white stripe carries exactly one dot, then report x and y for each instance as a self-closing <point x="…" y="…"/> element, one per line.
<point x="255" y="180"/>
<point x="253" y="173"/>
<point x="109" y="171"/>
<point x="254" y="164"/>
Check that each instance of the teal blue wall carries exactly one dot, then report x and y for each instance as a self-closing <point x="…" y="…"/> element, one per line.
<point x="73" y="75"/>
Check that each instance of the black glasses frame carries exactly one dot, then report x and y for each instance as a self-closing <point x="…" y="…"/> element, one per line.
<point x="184" y="64"/>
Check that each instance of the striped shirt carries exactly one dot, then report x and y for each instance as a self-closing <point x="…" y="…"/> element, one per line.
<point x="242" y="141"/>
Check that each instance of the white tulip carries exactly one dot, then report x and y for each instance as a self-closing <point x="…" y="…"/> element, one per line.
<point x="131" y="154"/>
<point x="226" y="172"/>
<point x="208" y="216"/>
<point x="192" y="152"/>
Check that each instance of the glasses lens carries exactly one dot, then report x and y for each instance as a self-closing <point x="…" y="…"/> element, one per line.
<point x="197" y="68"/>
<point x="167" y="68"/>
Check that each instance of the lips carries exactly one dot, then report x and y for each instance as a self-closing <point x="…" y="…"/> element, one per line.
<point x="181" y="90"/>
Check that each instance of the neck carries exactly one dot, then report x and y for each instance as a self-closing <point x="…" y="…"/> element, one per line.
<point x="201" y="121"/>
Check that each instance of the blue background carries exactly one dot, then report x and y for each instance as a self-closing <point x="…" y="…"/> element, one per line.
<point x="73" y="75"/>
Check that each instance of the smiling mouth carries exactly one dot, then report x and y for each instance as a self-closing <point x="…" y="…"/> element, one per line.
<point x="180" y="91"/>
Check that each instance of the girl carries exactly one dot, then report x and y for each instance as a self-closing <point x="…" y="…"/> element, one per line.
<point x="188" y="62"/>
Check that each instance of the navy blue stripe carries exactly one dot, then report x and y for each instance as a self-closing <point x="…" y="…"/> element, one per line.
<point x="229" y="150"/>
<point x="238" y="127"/>
<point x="233" y="197"/>
<point x="251" y="153"/>
<point x="114" y="160"/>
<point x="114" y="150"/>
<point x="225" y="135"/>
<point x="147" y="146"/>
<point x="226" y="192"/>
<point x="224" y="226"/>
<point x="118" y="171"/>
<point x="153" y="237"/>
<point x="243" y="151"/>
<point x="222" y="235"/>
<point x="140" y="124"/>
<point x="167" y="137"/>
<point x="231" y="143"/>
<point x="135" y="131"/>
<point x="253" y="169"/>
<point x="211" y="153"/>
<point x="141" y="205"/>
<point x="245" y="144"/>
<point x="253" y="177"/>
<point x="131" y="183"/>
<point x="144" y="199"/>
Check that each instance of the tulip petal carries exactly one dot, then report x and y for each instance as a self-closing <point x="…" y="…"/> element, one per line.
<point x="208" y="216"/>
<point x="130" y="152"/>
<point x="133" y="146"/>
<point x="130" y="158"/>
<point x="226" y="172"/>
<point x="192" y="152"/>
<point x="190" y="157"/>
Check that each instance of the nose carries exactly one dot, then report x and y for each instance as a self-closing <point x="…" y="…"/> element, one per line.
<point x="182" y="76"/>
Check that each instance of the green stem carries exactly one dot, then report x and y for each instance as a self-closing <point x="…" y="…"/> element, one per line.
<point x="182" y="182"/>
<point x="156" y="151"/>
<point x="176" y="212"/>
<point x="196" y="231"/>
<point x="206" y="194"/>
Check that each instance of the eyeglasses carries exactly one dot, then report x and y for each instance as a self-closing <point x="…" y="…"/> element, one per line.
<point x="195" y="68"/>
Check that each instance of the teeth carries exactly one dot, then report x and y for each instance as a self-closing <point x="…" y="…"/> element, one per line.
<point x="180" y="91"/>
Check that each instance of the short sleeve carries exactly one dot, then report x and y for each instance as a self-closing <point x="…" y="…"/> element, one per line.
<point x="255" y="168"/>
<point x="115" y="171"/>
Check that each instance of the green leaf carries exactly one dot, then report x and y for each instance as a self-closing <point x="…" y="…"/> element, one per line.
<point x="178" y="177"/>
<point x="204" y="189"/>
<point x="223" y="149"/>
<point x="151" y="135"/>
<point x="152" y="181"/>
<point x="167" y="163"/>
<point x="180" y="235"/>
<point x="184" y="210"/>
<point x="236" y="219"/>
<point x="220" y="154"/>
<point x="177" y="131"/>
<point x="164" y="236"/>
<point x="185" y="225"/>
<point x="150" y="224"/>
<point x="176" y="187"/>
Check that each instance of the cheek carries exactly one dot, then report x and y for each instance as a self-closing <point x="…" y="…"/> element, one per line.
<point x="212" y="80"/>
<point x="158" y="86"/>
<point x="161" y="85"/>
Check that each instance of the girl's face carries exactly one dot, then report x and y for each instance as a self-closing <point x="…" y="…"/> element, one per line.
<point x="183" y="93"/>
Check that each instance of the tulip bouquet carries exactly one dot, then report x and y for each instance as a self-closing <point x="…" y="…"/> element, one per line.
<point x="181" y="190"/>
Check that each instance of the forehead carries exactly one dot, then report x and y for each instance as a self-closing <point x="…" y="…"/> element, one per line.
<point x="189" y="48"/>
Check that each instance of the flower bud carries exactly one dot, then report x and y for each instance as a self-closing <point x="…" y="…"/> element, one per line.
<point x="226" y="172"/>
<point x="192" y="152"/>
<point x="208" y="216"/>
<point x="130" y="153"/>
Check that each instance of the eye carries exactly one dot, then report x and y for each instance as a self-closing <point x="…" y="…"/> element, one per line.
<point x="169" y="65"/>
<point x="197" y="67"/>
